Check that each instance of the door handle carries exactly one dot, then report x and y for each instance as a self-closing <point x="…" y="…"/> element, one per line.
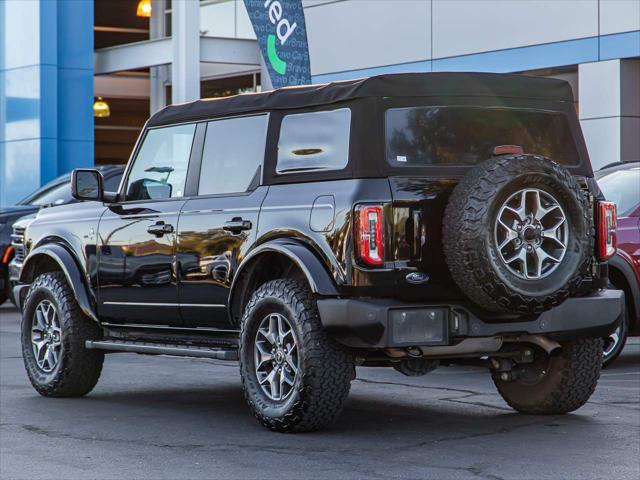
<point x="160" y="228"/>
<point x="236" y="225"/>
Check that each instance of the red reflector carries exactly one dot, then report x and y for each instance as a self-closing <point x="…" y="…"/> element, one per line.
<point x="369" y="235"/>
<point x="607" y="233"/>
<point x="7" y="254"/>
<point x="507" y="149"/>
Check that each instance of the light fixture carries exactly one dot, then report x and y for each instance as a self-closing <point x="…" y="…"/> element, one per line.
<point x="144" y="8"/>
<point x="101" y="108"/>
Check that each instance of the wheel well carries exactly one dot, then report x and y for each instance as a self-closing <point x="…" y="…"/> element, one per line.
<point x="262" y="269"/>
<point x="39" y="265"/>
<point x="618" y="279"/>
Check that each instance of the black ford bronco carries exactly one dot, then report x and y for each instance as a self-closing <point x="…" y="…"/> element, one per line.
<point x="404" y="221"/>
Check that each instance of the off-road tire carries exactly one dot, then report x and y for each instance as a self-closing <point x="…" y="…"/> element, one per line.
<point x="325" y="368"/>
<point x="78" y="369"/>
<point x="607" y="360"/>
<point x="570" y="380"/>
<point x="468" y="235"/>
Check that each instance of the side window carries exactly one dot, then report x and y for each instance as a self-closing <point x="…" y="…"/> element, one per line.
<point x="233" y="155"/>
<point x="314" y="141"/>
<point x="160" y="168"/>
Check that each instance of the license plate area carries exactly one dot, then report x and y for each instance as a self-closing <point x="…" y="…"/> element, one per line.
<point x="419" y="326"/>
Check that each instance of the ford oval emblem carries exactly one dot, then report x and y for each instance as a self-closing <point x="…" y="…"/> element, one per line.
<point x="417" y="277"/>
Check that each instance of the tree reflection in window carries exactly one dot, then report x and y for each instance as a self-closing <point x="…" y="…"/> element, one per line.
<point x="420" y="136"/>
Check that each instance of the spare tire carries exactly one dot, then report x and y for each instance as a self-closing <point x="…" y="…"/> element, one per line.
<point x="518" y="234"/>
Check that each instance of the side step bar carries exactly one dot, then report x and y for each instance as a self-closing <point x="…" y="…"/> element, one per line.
<point x="162" y="349"/>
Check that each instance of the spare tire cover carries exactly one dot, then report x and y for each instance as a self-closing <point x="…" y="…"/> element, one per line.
<point x="518" y="234"/>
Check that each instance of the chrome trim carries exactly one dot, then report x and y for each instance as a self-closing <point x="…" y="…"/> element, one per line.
<point x="297" y="207"/>
<point x="209" y="305"/>
<point x="168" y="327"/>
<point x="151" y="304"/>
<point x="219" y="210"/>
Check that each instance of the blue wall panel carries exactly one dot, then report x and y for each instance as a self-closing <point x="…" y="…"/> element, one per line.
<point x="46" y="92"/>
<point x="524" y="58"/>
<point x="621" y="45"/>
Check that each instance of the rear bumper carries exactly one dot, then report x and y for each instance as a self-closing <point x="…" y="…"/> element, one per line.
<point x="368" y="323"/>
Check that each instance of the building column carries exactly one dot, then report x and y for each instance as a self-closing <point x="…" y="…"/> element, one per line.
<point x="185" y="68"/>
<point x="265" y="78"/>
<point x="158" y="75"/>
<point x="610" y="110"/>
<point x="46" y="97"/>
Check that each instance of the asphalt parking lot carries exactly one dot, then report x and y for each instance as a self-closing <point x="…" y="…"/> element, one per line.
<point x="181" y="418"/>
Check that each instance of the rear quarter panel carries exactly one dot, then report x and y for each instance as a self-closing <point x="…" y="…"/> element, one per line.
<point x="287" y="213"/>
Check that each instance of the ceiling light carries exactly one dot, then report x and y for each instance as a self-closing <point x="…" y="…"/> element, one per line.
<point x="101" y="108"/>
<point x="144" y="8"/>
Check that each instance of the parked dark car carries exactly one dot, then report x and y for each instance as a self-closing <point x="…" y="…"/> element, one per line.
<point x="56" y="192"/>
<point x="620" y="183"/>
<point x="403" y="221"/>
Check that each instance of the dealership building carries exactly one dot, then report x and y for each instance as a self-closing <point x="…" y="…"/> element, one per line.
<point x="78" y="78"/>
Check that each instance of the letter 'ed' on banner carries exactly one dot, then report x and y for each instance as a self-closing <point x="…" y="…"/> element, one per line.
<point x="282" y="36"/>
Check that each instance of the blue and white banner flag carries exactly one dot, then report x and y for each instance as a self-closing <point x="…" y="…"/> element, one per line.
<point x="282" y="36"/>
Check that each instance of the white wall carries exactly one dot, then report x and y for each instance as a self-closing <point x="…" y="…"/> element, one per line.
<point x="610" y="110"/>
<point x="225" y="18"/>
<point x="461" y="27"/>
<point x="618" y="16"/>
<point x="358" y="34"/>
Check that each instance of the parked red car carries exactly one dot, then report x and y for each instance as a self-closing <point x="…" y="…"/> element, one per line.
<point x="620" y="183"/>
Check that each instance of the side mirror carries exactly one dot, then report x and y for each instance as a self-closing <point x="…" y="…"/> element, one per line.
<point x="87" y="184"/>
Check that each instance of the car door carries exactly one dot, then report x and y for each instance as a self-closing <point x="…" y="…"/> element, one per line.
<point x="218" y="226"/>
<point x="136" y="236"/>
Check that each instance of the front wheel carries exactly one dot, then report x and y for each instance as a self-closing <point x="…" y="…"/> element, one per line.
<point x="54" y="331"/>
<point x="558" y="383"/>
<point x="295" y="378"/>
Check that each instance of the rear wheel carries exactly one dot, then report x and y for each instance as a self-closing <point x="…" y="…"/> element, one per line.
<point x="54" y="331"/>
<point x="295" y="378"/>
<point x="557" y="383"/>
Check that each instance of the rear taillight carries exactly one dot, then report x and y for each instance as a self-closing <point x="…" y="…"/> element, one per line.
<point x="607" y="224"/>
<point x="369" y="235"/>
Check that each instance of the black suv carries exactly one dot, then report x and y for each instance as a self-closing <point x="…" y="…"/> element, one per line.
<point x="408" y="221"/>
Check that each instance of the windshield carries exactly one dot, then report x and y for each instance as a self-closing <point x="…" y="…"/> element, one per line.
<point x="44" y="190"/>
<point x="622" y="187"/>
<point x="53" y="196"/>
<point x="419" y="136"/>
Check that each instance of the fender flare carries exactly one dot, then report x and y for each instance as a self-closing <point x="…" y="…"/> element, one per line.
<point x="69" y="267"/>
<point x="627" y="272"/>
<point x="320" y="280"/>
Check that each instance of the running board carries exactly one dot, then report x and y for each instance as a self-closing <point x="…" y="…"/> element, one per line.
<point x="162" y="349"/>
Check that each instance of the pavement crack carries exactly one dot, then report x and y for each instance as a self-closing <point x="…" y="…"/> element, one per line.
<point x="424" y="387"/>
<point x="477" y="404"/>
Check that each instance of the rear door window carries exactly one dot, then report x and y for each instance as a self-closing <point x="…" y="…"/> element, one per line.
<point x="420" y="136"/>
<point x="233" y="155"/>
<point x="314" y="141"/>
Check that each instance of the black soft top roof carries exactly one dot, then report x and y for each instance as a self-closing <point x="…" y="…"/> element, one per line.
<point x="392" y="85"/>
